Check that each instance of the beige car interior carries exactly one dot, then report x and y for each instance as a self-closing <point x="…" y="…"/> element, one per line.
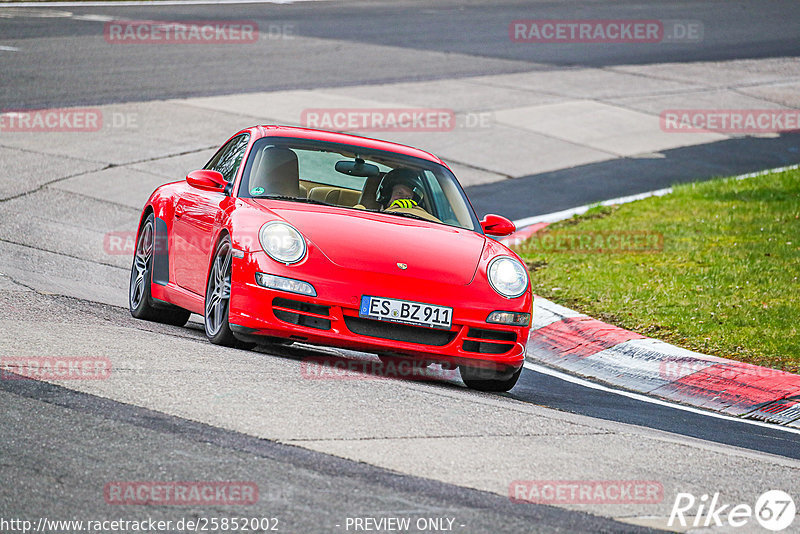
<point x="335" y="195"/>
<point x="351" y="198"/>
<point x="277" y="173"/>
<point x="341" y="196"/>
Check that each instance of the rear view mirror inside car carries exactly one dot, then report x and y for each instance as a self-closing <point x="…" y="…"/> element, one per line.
<point x="357" y="168"/>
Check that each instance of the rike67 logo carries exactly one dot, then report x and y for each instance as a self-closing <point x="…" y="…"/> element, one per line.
<point x="774" y="510"/>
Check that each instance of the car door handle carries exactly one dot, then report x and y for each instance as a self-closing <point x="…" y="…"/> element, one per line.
<point x="178" y="211"/>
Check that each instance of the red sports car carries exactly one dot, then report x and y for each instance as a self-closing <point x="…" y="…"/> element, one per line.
<point x="289" y="234"/>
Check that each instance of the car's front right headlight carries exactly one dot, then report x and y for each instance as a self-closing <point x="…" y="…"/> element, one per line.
<point x="282" y="242"/>
<point x="508" y="276"/>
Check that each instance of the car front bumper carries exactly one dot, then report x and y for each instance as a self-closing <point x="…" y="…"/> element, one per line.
<point x="332" y="317"/>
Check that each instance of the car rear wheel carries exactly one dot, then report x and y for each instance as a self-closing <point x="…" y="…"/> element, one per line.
<point x="140" y="300"/>
<point x="218" y="295"/>
<point x="488" y="380"/>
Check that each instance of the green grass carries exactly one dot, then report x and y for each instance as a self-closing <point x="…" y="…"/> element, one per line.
<point x="726" y="282"/>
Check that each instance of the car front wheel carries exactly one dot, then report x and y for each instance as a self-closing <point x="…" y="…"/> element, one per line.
<point x="218" y="295"/>
<point x="488" y="380"/>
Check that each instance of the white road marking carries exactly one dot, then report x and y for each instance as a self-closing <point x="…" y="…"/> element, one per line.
<point x="95" y="18"/>
<point x="644" y="398"/>
<point x="9" y="49"/>
<point x="153" y="3"/>
<point x="566" y="214"/>
<point x="9" y="11"/>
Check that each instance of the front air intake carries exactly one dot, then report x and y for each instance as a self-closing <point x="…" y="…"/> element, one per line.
<point x="302" y="313"/>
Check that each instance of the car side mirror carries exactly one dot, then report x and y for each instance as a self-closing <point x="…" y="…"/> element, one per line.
<point x="207" y="180"/>
<point x="497" y="226"/>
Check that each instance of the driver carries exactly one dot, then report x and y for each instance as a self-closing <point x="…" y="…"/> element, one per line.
<point x="401" y="191"/>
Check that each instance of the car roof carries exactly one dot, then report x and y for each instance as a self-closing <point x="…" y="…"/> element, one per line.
<point x="335" y="137"/>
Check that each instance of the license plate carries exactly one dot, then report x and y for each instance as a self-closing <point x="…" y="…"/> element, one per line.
<point x="404" y="311"/>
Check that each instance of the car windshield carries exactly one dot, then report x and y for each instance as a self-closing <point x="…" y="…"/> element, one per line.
<point x="353" y="177"/>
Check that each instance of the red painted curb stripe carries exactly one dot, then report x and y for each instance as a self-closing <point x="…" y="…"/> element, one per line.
<point x="726" y="385"/>
<point x="739" y="386"/>
<point x="580" y="336"/>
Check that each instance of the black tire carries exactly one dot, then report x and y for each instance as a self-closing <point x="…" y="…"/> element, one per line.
<point x="140" y="299"/>
<point x="488" y="380"/>
<point x="218" y="294"/>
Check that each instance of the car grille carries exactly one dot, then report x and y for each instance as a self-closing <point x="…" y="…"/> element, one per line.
<point x="302" y="313"/>
<point x="399" y="332"/>
<point x="485" y="341"/>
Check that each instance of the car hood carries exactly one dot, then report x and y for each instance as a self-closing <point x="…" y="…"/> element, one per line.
<point x="385" y="243"/>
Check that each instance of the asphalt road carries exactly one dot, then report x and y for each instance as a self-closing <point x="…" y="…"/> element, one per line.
<point x="397" y="453"/>
<point x="554" y="191"/>
<point x="557" y="393"/>
<point x="67" y="446"/>
<point x="61" y="446"/>
<point x="64" y="60"/>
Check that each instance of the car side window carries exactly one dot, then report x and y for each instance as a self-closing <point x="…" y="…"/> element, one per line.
<point x="229" y="157"/>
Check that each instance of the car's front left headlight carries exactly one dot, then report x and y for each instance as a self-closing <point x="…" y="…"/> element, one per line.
<point x="282" y="242"/>
<point x="508" y="276"/>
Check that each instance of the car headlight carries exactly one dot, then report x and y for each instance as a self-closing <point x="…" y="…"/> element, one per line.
<point x="508" y="277"/>
<point x="510" y="318"/>
<point x="282" y="242"/>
